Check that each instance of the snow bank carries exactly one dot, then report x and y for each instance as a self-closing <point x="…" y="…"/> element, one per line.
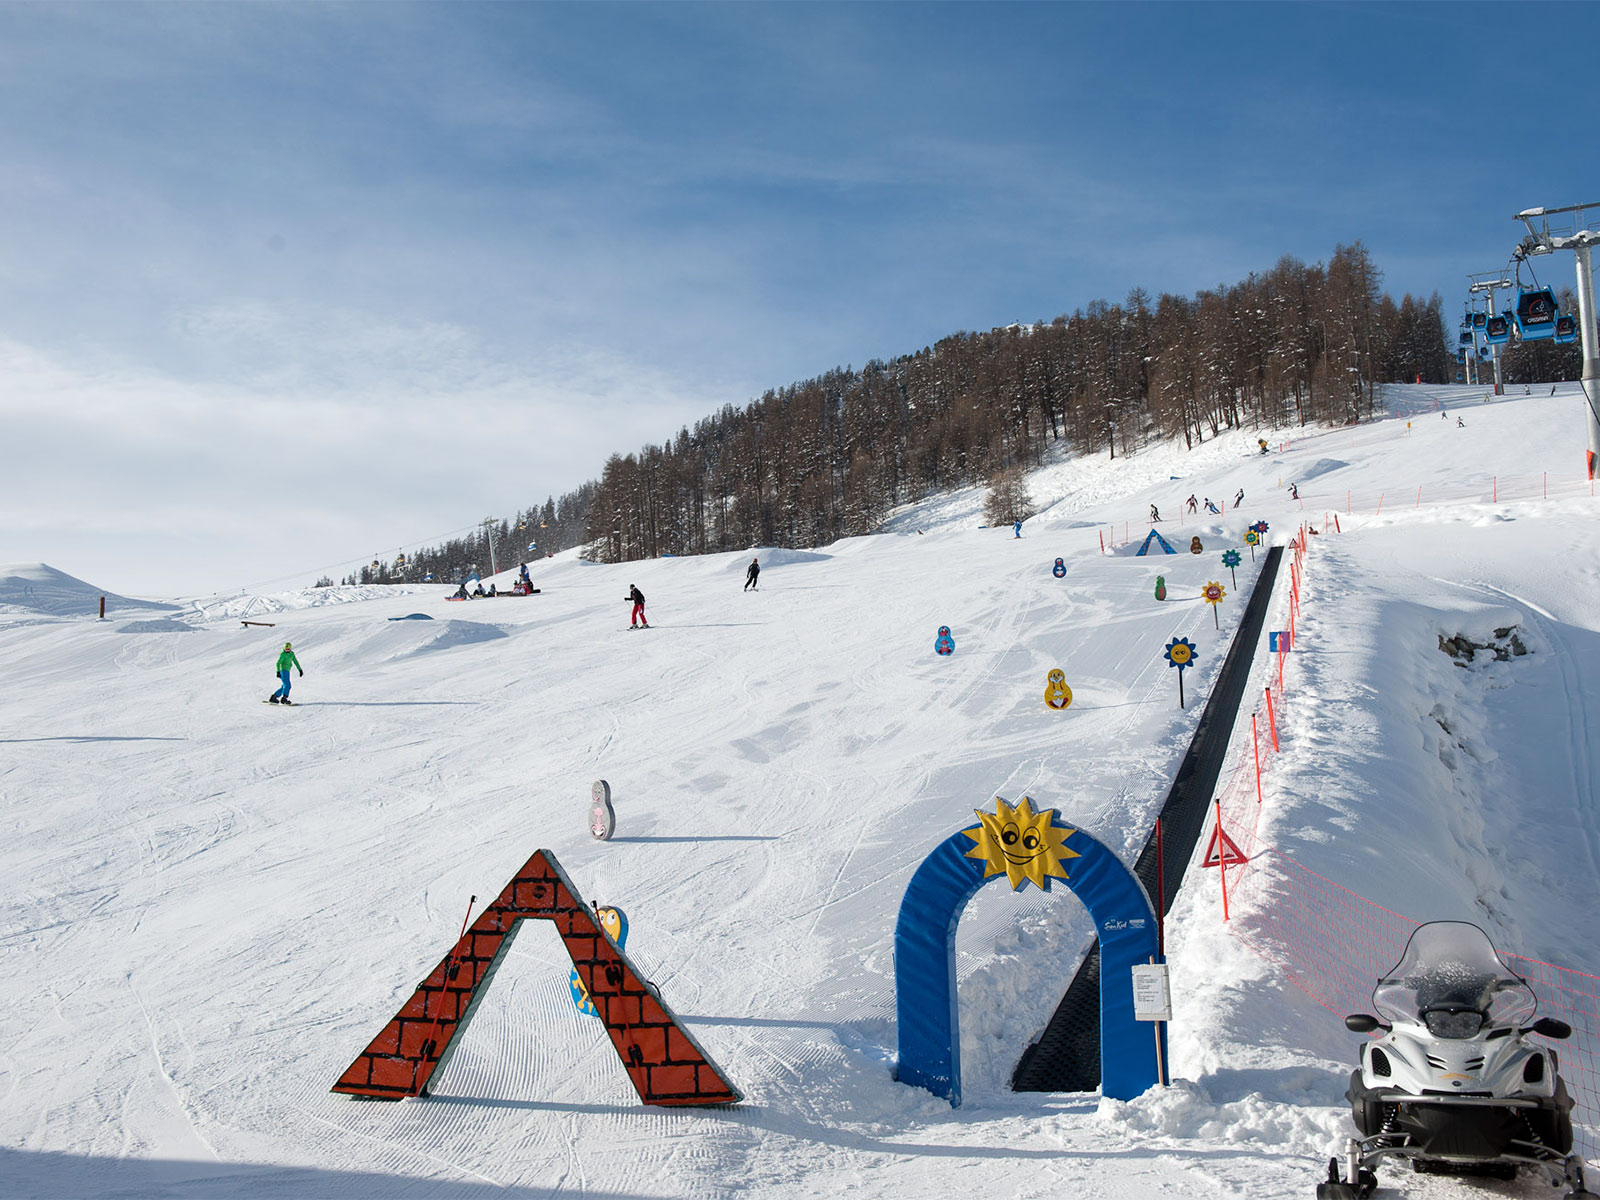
<point x="36" y="589"/>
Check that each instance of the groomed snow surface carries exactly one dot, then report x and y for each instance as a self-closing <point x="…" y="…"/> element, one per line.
<point x="211" y="905"/>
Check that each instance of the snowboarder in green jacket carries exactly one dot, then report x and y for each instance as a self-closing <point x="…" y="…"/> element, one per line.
<point x="285" y="661"/>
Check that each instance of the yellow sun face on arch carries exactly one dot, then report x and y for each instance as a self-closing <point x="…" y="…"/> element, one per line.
<point x="1021" y="843"/>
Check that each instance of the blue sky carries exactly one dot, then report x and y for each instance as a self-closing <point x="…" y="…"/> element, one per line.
<point x="284" y="286"/>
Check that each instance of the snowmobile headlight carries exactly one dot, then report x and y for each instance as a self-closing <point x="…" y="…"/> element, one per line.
<point x="1445" y="1023"/>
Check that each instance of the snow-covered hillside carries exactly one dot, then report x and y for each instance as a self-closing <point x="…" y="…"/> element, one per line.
<point x="213" y="904"/>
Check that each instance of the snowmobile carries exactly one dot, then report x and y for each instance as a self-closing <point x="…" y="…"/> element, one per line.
<point x="1453" y="1084"/>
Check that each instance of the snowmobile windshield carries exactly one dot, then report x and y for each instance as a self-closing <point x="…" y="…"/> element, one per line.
<point x="1451" y="980"/>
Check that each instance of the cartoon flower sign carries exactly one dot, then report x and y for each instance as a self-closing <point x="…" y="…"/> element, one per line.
<point x="1213" y="593"/>
<point x="1181" y="653"/>
<point x="1230" y="559"/>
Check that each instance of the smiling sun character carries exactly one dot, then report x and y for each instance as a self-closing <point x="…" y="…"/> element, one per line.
<point x="1021" y="843"/>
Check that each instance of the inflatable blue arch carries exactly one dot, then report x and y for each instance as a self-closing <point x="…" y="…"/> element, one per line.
<point x="925" y="941"/>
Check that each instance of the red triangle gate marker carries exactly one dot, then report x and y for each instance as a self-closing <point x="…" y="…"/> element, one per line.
<point x="665" y="1064"/>
<point x="1231" y="854"/>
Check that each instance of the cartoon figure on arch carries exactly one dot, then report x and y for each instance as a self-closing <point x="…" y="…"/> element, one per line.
<point x="1023" y="846"/>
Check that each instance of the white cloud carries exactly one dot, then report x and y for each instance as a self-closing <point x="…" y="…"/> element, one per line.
<point x="340" y="434"/>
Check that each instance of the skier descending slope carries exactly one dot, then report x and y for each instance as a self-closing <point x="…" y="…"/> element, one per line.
<point x="285" y="661"/>
<point x="636" y="597"/>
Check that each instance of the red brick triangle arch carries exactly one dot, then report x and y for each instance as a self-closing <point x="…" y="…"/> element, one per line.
<point x="665" y="1064"/>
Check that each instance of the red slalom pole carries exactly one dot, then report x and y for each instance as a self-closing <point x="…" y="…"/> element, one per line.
<point x="1222" y="860"/>
<point x="1255" y="749"/>
<point x="1272" y="722"/>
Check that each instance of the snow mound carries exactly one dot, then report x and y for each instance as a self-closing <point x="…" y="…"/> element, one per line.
<point x="1323" y="466"/>
<point x="243" y="605"/>
<point x="461" y="633"/>
<point x="40" y="590"/>
<point x="778" y="556"/>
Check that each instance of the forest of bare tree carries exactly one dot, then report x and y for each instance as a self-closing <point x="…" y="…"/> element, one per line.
<point x="831" y="456"/>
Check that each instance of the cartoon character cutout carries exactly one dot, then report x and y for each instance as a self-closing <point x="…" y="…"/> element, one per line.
<point x="602" y="817"/>
<point x="1056" y="692"/>
<point x="1161" y="587"/>
<point x="944" y="644"/>
<point x="615" y="922"/>
<point x="1195" y="547"/>
<point x="1059" y="569"/>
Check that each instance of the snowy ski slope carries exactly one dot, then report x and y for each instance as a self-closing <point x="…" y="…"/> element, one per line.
<point x="213" y="904"/>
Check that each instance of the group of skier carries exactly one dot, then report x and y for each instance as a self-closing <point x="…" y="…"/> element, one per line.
<point x="1192" y="504"/>
<point x="287" y="659"/>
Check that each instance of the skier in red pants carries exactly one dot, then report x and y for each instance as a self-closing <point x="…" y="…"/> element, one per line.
<point x="635" y="595"/>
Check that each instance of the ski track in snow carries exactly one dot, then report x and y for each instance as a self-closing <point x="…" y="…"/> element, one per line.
<point x="213" y="904"/>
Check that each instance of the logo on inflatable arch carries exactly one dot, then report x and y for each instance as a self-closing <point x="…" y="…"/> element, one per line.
<point x="944" y="643"/>
<point x="1059" y="569"/>
<point x="1025" y="847"/>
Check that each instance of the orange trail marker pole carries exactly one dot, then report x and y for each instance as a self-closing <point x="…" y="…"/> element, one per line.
<point x="1272" y="721"/>
<point x="1222" y="866"/>
<point x="1380" y="504"/>
<point x="1255" y="749"/>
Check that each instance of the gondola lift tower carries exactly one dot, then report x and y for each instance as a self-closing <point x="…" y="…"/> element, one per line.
<point x="1573" y="234"/>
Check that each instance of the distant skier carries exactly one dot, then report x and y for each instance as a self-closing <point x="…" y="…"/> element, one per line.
<point x="522" y="574"/>
<point x="1460" y="424"/>
<point x="1210" y="507"/>
<point x="1016" y="528"/>
<point x="1262" y="442"/>
<point x="1194" y="505"/>
<point x="285" y="661"/>
<point x="1239" y="499"/>
<point x="637" y="598"/>
<point x="1155" y="514"/>
<point x="753" y="574"/>
<point x="1294" y="491"/>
